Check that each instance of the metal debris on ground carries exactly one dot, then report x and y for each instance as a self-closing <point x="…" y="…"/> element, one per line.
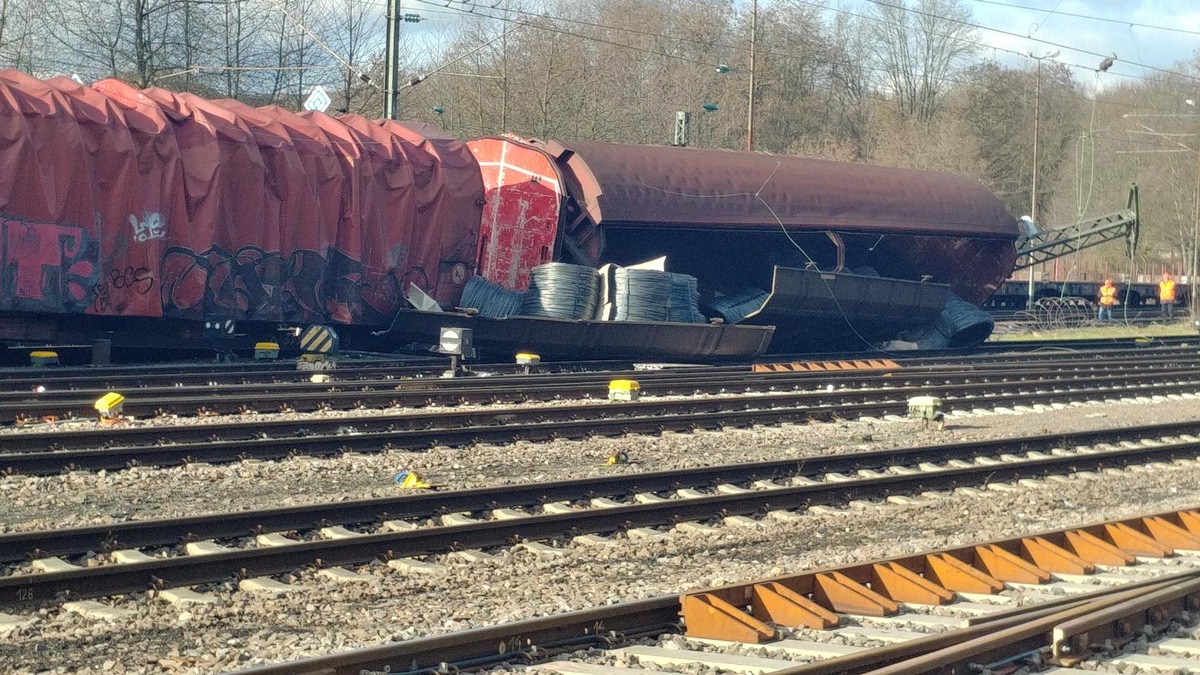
<point x="616" y="458"/>
<point x="411" y="480"/>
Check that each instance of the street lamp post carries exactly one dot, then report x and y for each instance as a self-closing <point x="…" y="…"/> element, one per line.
<point x="1194" y="268"/>
<point x="1037" y="117"/>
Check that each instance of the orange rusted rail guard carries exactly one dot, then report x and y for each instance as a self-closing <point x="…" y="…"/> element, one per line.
<point x="825" y="366"/>
<point x="813" y="599"/>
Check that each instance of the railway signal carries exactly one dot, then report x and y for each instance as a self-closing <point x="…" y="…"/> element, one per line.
<point x="456" y="342"/>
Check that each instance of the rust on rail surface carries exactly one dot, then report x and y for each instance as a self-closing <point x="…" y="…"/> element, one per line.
<point x="813" y="599"/>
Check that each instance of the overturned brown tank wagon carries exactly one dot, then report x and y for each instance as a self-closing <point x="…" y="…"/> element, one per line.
<point x="835" y="255"/>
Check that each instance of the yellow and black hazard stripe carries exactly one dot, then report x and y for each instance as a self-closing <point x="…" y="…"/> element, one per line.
<point x="319" y="340"/>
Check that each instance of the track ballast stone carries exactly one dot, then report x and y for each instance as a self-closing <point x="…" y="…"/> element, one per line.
<point x="324" y="616"/>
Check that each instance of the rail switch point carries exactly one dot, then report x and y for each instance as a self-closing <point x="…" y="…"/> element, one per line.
<point x="623" y="390"/>
<point x="927" y="409"/>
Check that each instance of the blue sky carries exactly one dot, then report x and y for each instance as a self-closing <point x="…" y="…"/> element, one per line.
<point x="1025" y="25"/>
<point x="1035" y="20"/>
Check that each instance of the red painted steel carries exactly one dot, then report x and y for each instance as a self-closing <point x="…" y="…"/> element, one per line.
<point x="524" y="197"/>
<point x="909" y="224"/>
<point x="120" y="202"/>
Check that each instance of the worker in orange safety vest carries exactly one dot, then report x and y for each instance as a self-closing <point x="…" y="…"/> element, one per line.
<point x="1166" y="296"/>
<point x="1108" y="298"/>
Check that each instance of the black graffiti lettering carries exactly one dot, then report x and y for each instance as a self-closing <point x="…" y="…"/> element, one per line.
<point x="135" y="279"/>
<point x="252" y="283"/>
<point x="102" y="302"/>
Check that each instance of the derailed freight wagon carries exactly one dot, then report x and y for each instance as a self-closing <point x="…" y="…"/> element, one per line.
<point x="143" y="214"/>
<point x="146" y="215"/>
<point x="834" y="255"/>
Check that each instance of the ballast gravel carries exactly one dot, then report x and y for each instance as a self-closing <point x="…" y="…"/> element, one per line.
<point x="245" y="629"/>
<point x="90" y="498"/>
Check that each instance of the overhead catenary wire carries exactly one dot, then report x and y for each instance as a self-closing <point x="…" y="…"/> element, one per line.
<point x="568" y="33"/>
<point x="1092" y="17"/>
<point x="443" y="8"/>
<point x="321" y="43"/>
<point x="1001" y="31"/>
<point x="421" y="78"/>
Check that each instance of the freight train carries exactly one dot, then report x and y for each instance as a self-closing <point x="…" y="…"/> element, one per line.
<point x="1014" y="295"/>
<point x="159" y="218"/>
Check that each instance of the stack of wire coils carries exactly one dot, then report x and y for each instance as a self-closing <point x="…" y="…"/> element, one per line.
<point x="492" y="300"/>
<point x="641" y="295"/>
<point x="685" y="300"/>
<point x="739" y="305"/>
<point x="562" y="291"/>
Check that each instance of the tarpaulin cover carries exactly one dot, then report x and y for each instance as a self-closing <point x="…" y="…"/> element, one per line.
<point x="126" y="202"/>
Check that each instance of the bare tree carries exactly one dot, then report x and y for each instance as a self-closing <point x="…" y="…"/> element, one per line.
<point x="919" y="49"/>
<point x="355" y="33"/>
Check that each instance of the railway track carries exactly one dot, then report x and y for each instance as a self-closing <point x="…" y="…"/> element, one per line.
<point x="307" y="396"/>
<point x="93" y="380"/>
<point x="257" y="373"/>
<point x="878" y="394"/>
<point x="1101" y="595"/>
<point x="188" y="552"/>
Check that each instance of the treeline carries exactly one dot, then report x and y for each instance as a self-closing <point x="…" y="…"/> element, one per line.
<point x="876" y="83"/>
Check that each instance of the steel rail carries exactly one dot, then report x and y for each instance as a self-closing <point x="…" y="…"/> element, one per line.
<point x="423" y="430"/>
<point x="190" y="570"/>
<point x="335" y="399"/>
<point x="868" y="660"/>
<point x="421" y="391"/>
<point x="18" y="546"/>
<point x="698" y="383"/>
<point x="256" y="371"/>
<point x="1065" y="632"/>
<point x="494" y="644"/>
<point x="960" y="650"/>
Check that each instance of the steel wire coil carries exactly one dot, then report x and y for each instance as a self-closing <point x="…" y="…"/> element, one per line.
<point x="641" y="295"/>
<point x="492" y="300"/>
<point x="737" y="306"/>
<point x="960" y="324"/>
<point x="562" y="291"/>
<point x="684" y="306"/>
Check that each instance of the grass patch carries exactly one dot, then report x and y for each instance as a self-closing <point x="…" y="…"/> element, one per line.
<point x="1101" y="332"/>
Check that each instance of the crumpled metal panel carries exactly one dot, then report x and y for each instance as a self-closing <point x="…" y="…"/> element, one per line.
<point x="625" y="185"/>
<point x="523" y="193"/>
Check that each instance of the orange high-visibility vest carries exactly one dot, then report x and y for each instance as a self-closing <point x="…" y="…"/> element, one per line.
<point x="1108" y="296"/>
<point x="1166" y="291"/>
